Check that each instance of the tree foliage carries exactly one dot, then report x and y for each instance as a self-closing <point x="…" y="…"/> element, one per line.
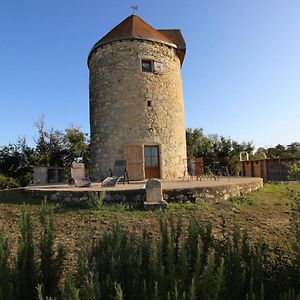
<point x="222" y="153"/>
<point x="52" y="148"/>
<point x="16" y="161"/>
<point x="217" y="151"/>
<point x="281" y="151"/>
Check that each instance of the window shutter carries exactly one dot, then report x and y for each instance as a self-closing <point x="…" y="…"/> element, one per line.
<point x="134" y="154"/>
<point x="158" y="67"/>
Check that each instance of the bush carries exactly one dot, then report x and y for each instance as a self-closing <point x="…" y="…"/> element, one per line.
<point x="195" y="266"/>
<point x="24" y="276"/>
<point x="25" y="180"/>
<point x="121" y="265"/>
<point x="8" y="183"/>
<point x="294" y="171"/>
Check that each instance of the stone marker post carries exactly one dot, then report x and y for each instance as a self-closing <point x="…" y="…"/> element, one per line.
<point x="154" y="196"/>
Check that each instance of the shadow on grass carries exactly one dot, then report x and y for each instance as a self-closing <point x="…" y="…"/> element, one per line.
<point x="18" y="196"/>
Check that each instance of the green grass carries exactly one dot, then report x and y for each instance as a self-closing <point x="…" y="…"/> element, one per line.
<point x="268" y="195"/>
<point x="200" y="205"/>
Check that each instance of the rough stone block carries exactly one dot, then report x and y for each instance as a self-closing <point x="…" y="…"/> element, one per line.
<point x="153" y="191"/>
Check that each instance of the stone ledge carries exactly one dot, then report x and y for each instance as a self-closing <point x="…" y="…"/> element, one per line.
<point x="155" y="205"/>
<point x="133" y="197"/>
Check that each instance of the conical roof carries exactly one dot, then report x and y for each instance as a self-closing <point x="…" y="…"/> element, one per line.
<point x="133" y="27"/>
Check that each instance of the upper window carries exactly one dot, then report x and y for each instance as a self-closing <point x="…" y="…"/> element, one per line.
<point x="147" y="66"/>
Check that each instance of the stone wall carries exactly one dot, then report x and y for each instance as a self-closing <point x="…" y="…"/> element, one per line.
<point x="133" y="198"/>
<point x="131" y="107"/>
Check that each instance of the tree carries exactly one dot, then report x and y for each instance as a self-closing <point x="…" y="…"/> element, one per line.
<point x="294" y="171"/>
<point x="56" y="148"/>
<point x="76" y="145"/>
<point x="294" y="149"/>
<point x="197" y="142"/>
<point x="49" y="150"/>
<point x="53" y="148"/>
<point x="280" y="151"/>
<point x="260" y="153"/>
<point x="218" y="152"/>
<point x="16" y="161"/>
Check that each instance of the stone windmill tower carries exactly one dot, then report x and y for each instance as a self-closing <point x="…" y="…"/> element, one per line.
<point x="136" y="101"/>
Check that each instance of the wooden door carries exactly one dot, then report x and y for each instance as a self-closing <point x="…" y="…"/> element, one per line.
<point x="135" y="161"/>
<point x="152" y="166"/>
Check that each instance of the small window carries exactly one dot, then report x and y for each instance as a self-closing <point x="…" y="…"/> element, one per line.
<point x="147" y="66"/>
<point x="151" y="156"/>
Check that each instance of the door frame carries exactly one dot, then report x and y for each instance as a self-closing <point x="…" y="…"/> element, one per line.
<point x="158" y="158"/>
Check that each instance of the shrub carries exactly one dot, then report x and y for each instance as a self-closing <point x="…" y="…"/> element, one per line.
<point x="121" y="265"/>
<point x="51" y="263"/>
<point x="8" y="183"/>
<point x="294" y="171"/>
<point x="26" y="268"/>
<point x="5" y="270"/>
<point x="25" y="179"/>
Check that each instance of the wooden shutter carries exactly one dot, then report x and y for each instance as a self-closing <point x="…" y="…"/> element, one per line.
<point x="199" y="166"/>
<point x="134" y="154"/>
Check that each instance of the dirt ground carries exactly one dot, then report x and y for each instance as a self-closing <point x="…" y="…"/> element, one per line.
<point x="264" y="213"/>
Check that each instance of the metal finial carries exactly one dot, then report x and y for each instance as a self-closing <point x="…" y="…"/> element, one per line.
<point x="134" y="9"/>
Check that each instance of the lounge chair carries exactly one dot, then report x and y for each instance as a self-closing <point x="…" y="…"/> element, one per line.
<point x="119" y="173"/>
<point x="78" y="177"/>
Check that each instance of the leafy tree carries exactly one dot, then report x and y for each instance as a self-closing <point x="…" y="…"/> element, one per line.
<point x="294" y="171"/>
<point x="53" y="148"/>
<point x="294" y="149"/>
<point x="76" y="145"/>
<point x="219" y="153"/>
<point x="56" y="148"/>
<point x="280" y="151"/>
<point x="260" y="153"/>
<point x="197" y="143"/>
<point x="16" y="161"/>
<point x="8" y="183"/>
<point x="49" y="150"/>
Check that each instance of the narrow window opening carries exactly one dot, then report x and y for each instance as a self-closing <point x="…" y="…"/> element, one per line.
<point x="149" y="103"/>
<point x="147" y="66"/>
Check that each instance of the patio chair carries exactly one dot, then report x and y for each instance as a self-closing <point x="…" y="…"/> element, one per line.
<point x="119" y="173"/>
<point x="78" y="177"/>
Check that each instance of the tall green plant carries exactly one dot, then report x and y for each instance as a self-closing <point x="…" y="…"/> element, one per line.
<point x="25" y="269"/>
<point x="51" y="263"/>
<point x="295" y="235"/>
<point x="5" y="270"/>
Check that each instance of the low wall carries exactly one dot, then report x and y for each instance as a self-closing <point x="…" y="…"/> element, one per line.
<point x="222" y="192"/>
<point x="133" y="198"/>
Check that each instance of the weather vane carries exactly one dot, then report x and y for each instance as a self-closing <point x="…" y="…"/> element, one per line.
<point x="134" y="9"/>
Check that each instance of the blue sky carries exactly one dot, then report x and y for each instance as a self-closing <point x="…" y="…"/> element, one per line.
<point x="241" y="74"/>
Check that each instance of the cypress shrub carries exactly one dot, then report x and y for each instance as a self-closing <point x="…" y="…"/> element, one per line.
<point x="51" y="263"/>
<point x="25" y="267"/>
<point x="6" y="287"/>
<point x="176" y="266"/>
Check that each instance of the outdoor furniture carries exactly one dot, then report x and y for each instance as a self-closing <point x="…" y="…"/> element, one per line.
<point x="78" y="177"/>
<point x="119" y="173"/>
<point x="194" y="167"/>
<point x="208" y="173"/>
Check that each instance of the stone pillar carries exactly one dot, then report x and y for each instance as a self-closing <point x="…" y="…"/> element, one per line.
<point x="154" y="196"/>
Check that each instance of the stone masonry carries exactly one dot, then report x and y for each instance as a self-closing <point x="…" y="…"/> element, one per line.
<point x="128" y="106"/>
